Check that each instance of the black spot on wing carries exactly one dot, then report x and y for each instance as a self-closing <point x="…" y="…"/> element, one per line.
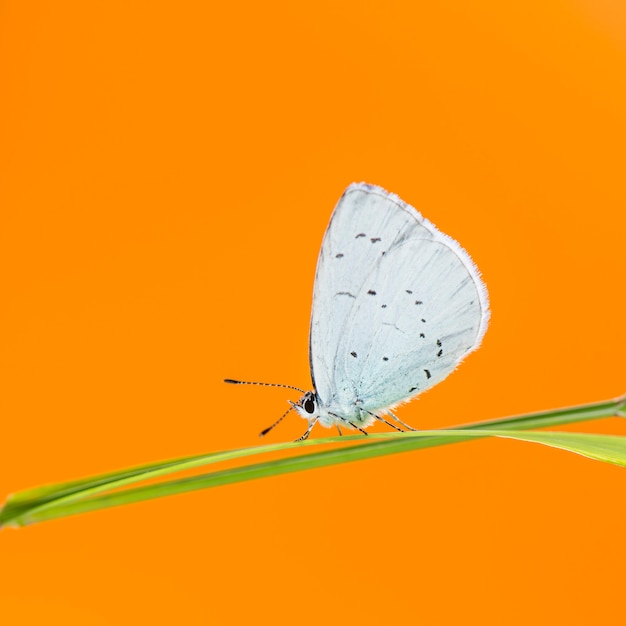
<point x="383" y="306"/>
<point x="385" y="358"/>
<point x="353" y="354"/>
<point x="427" y="373"/>
<point x="408" y="291"/>
<point x="412" y="389"/>
<point x="360" y="235"/>
<point x="345" y="293"/>
<point x="374" y="239"/>
<point x="422" y="335"/>
<point x="418" y="302"/>
<point x="339" y="255"/>
<point x="440" y="353"/>
<point x="371" y="292"/>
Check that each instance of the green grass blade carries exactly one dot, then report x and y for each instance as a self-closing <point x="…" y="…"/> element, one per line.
<point x="607" y="448"/>
<point x="75" y="496"/>
<point x="151" y="470"/>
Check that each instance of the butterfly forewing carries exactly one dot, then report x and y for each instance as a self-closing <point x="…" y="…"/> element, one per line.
<point x="396" y="304"/>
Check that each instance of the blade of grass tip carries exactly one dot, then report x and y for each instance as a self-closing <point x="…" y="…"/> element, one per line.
<point x="16" y="504"/>
<point x="20" y="503"/>
<point x="605" y="448"/>
<point x="110" y="480"/>
<point x="608" y="448"/>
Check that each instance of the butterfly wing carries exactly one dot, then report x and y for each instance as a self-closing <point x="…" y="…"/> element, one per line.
<point x="396" y="303"/>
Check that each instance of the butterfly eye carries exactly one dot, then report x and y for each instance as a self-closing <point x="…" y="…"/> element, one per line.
<point x="309" y="405"/>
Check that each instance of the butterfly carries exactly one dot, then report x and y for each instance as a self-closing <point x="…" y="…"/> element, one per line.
<point x="397" y="305"/>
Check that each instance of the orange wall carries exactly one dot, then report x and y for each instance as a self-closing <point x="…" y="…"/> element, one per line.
<point x="166" y="175"/>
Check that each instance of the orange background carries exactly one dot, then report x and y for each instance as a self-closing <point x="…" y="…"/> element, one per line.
<point x="167" y="172"/>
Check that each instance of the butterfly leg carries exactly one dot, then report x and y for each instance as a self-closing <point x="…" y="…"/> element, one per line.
<point x="308" y="430"/>
<point x="343" y="419"/>
<point x="401" y="422"/>
<point x="383" y="420"/>
<point x="339" y="430"/>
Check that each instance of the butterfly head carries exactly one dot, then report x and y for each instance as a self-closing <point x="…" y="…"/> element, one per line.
<point x="307" y="406"/>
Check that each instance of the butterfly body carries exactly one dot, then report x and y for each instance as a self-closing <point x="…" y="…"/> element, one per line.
<point x="311" y="408"/>
<point x="397" y="305"/>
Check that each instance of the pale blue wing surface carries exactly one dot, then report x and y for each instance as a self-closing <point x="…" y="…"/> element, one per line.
<point x="396" y="304"/>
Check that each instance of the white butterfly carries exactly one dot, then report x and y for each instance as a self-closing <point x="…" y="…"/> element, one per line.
<point x="397" y="305"/>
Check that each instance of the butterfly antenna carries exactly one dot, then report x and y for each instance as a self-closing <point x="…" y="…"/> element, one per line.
<point x="278" y="421"/>
<point x="230" y="381"/>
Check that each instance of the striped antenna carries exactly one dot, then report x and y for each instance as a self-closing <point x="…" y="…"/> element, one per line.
<point x="278" y="421"/>
<point x="230" y="381"/>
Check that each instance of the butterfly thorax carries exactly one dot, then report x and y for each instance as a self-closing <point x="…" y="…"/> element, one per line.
<point x="313" y="409"/>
